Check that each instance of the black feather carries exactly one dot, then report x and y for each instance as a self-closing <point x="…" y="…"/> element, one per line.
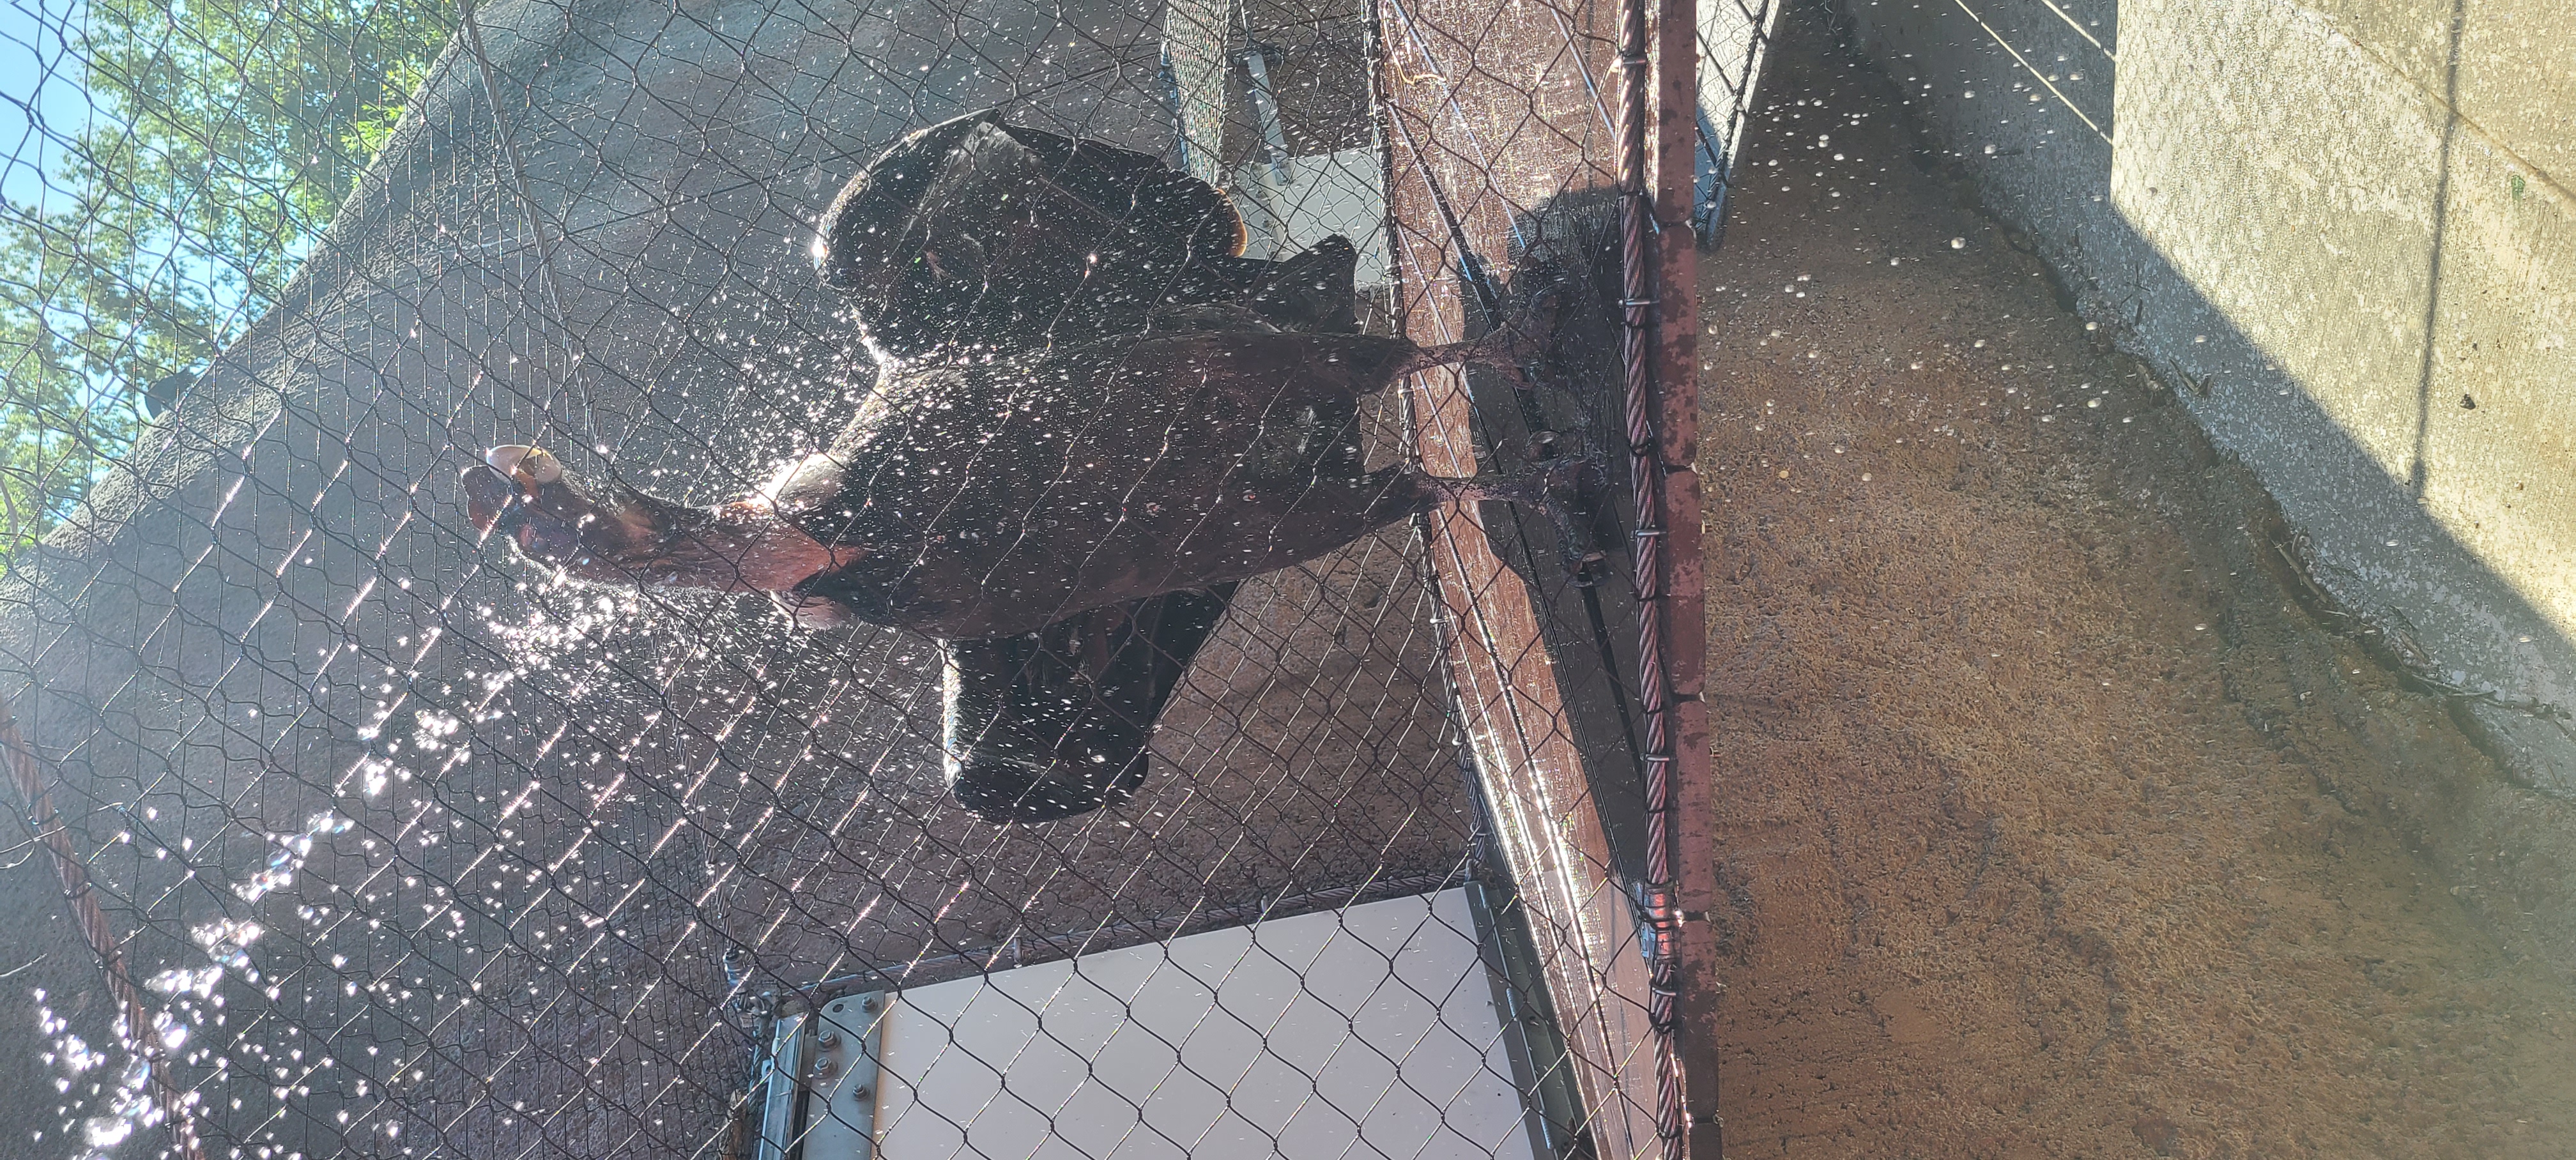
<point x="978" y="234"/>
<point x="1056" y="722"/>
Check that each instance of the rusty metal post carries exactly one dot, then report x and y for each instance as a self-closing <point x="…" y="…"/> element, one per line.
<point x="1671" y="145"/>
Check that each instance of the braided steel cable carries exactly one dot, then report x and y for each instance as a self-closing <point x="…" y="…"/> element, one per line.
<point x="1657" y="919"/>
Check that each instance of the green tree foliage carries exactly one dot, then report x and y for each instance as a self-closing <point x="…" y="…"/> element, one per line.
<point x="220" y="138"/>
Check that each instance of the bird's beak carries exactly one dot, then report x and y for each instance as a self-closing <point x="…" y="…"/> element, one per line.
<point x="529" y="467"/>
<point x="499" y="493"/>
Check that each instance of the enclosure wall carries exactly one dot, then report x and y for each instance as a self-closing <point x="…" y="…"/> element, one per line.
<point x="2343" y="228"/>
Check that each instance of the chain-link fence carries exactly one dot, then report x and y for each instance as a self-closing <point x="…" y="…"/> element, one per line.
<point x="748" y="580"/>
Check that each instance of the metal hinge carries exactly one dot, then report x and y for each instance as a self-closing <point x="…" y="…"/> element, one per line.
<point x="820" y="1087"/>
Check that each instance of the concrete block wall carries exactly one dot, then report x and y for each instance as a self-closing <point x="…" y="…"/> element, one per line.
<point x="2345" y="229"/>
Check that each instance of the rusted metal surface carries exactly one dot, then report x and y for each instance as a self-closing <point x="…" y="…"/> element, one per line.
<point x="1502" y="151"/>
<point x="1542" y="807"/>
<point x="1671" y="152"/>
<point x="1658" y="110"/>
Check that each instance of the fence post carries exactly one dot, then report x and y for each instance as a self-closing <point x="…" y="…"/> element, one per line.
<point x="1671" y="151"/>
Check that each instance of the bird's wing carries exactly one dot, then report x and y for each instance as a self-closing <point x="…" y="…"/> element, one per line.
<point x="1139" y="190"/>
<point x="1208" y="317"/>
<point x="864" y="219"/>
<point x="1055" y="723"/>
<point x="975" y="232"/>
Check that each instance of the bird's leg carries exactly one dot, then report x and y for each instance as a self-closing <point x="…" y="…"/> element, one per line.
<point x="1396" y="492"/>
<point x="1553" y="481"/>
<point x="744" y="546"/>
<point x="1281" y="369"/>
<point x="1521" y="341"/>
<point x="1555" y="487"/>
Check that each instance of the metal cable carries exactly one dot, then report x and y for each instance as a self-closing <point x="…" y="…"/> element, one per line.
<point x="1638" y="288"/>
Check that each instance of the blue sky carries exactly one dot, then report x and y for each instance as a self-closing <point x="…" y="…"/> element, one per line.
<point x="38" y="74"/>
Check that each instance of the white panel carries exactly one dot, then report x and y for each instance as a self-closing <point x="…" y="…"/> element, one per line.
<point x="1337" y="193"/>
<point x="1361" y="1033"/>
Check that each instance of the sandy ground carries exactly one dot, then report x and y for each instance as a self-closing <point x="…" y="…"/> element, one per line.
<point x="2050" y="825"/>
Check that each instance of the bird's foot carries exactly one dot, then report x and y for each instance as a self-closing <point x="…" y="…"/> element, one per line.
<point x="1518" y="345"/>
<point x="1549" y="481"/>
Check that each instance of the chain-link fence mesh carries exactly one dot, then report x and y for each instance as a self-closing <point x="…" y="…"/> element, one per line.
<point x="504" y="659"/>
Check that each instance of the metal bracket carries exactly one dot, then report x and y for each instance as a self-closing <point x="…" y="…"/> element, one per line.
<point x="819" y="1089"/>
<point x="1274" y="175"/>
<point x="779" y="1090"/>
<point x="843" y="1081"/>
<point x="1542" y="1066"/>
<point x="1265" y="112"/>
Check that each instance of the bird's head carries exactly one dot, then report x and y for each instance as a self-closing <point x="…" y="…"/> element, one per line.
<point x="521" y="492"/>
<point x="746" y="545"/>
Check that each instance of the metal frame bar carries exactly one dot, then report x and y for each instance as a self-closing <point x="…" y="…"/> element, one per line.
<point x="1690" y="809"/>
<point x="820" y="1081"/>
<point x="1455" y="127"/>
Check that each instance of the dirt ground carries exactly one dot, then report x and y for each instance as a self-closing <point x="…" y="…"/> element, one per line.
<point x="2051" y="825"/>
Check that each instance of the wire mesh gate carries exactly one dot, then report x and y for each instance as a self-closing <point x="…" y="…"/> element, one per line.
<point x="386" y="838"/>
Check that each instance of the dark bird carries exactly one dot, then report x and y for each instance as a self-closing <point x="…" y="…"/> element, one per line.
<point x="164" y="392"/>
<point x="1092" y="417"/>
<point x="977" y="235"/>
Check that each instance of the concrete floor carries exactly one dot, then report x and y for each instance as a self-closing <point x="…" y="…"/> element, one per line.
<point x="2052" y="824"/>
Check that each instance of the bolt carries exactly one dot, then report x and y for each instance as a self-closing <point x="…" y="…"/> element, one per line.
<point x="868" y="1005"/>
<point x="828" y="1040"/>
<point x="862" y="1093"/>
<point x="823" y="1066"/>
